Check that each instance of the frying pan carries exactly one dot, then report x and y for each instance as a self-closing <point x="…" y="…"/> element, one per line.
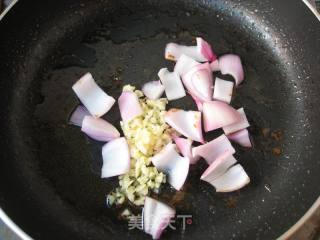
<point x="49" y="182"/>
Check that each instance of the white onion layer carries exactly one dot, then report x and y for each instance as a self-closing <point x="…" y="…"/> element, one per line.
<point x="200" y="53"/>
<point x="188" y="123"/>
<point x="241" y="137"/>
<point x="99" y="129"/>
<point x="218" y="167"/>
<point x="173" y="165"/>
<point x="92" y="96"/>
<point x="213" y="149"/>
<point x="231" y="64"/>
<point x="116" y="158"/>
<point x="156" y="217"/>
<point x="232" y="180"/>
<point x="129" y="106"/>
<point x="153" y="90"/>
<point x="218" y="114"/>
<point x="184" y="64"/>
<point x="172" y="84"/>
<point x="198" y="81"/>
<point x="185" y="146"/>
<point x="238" y="125"/>
<point x="223" y="90"/>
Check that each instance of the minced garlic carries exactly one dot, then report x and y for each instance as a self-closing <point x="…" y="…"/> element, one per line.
<point x="146" y="135"/>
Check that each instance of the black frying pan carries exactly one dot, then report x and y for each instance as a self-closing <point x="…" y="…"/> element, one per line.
<point x="49" y="181"/>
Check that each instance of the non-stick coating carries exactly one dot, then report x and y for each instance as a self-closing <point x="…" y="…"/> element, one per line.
<point x="49" y="181"/>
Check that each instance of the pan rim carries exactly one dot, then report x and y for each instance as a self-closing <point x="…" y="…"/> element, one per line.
<point x="301" y="221"/>
<point x="4" y="13"/>
<point x="13" y="227"/>
<point x="286" y="235"/>
<point x="312" y="8"/>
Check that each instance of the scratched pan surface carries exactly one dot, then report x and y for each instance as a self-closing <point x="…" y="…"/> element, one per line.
<point x="49" y="181"/>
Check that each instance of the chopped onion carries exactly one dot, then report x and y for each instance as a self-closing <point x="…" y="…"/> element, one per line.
<point x="199" y="82"/>
<point x="129" y="106"/>
<point x="202" y="83"/>
<point x="172" y="84"/>
<point x="99" y="129"/>
<point x="156" y="217"/>
<point x="147" y="213"/>
<point x="232" y="180"/>
<point x="238" y="125"/>
<point x="188" y="123"/>
<point x="77" y="115"/>
<point x="218" y="114"/>
<point x="116" y="158"/>
<point x="222" y="90"/>
<point x="184" y="64"/>
<point x="153" y="90"/>
<point x="173" y="51"/>
<point x="198" y="102"/>
<point x="92" y="96"/>
<point x="241" y="137"/>
<point x="185" y="145"/>
<point x="205" y="49"/>
<point x="215" y="66"/>
<point x="213" y="149"/>
<point x="201" y="53"/>
<point x="231" y="64"/>
<point x="172" y="164"/>
<point x="218" y="167"/>
<point x="161" y="220"/>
